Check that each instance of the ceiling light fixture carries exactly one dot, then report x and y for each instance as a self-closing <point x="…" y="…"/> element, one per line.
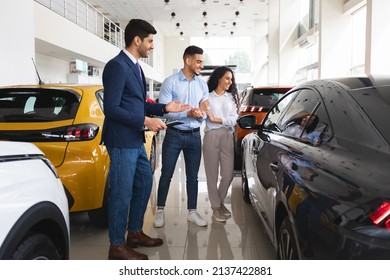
<point x="181" y="38"/>
<point x="237" y="13"/>
<point x="177" y="25"/>
<point x="231" y="33"/>
<point x="203" y="2"/>
<point x="173" y="15"/>
<point x="204" y="15"/>
<point x="234" y="24"/>
<point x="206" y="35"/>
<point x="241" y="4"/>
<point x="205" y="25"/>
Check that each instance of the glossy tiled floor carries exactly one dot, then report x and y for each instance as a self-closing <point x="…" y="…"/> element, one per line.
<point x="241" y="237"/>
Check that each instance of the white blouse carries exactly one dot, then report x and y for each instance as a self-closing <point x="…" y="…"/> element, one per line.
<point x="224" y="107"/>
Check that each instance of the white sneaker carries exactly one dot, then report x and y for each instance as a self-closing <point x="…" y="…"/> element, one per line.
<point x="195" y="218"/>
<point x="159" y="219"/>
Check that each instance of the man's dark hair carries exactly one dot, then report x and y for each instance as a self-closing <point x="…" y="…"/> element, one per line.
<point x="191" y="50"/>
<point x="138" y="27"/>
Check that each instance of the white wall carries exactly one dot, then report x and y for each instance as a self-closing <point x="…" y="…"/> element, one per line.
<point x="52" y="70"/>
<point x="75" y="39"/>
<point x="17" y="42"/>
<point x="173" y="54"/>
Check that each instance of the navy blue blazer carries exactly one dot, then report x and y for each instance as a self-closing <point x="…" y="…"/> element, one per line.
<point x="125" y="104"/>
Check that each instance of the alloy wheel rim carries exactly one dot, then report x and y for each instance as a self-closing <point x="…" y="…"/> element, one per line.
<point x="286" y="247"/>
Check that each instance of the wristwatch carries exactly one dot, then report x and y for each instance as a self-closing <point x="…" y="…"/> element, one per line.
<point x="164" y="109"/>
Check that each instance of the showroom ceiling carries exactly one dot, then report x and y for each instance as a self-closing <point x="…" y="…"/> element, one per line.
<point x="191" y="17"/>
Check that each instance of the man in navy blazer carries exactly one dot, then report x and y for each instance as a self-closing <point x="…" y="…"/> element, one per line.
<point x="126" y="112"/>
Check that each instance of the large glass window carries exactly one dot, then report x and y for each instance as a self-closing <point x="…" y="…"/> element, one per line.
<point x="227" y="51"/>
<point x="308" y="15"/>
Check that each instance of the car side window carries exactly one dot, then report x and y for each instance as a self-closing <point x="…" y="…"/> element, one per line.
<point x="306" y="119"/>
<point x="271" y="120"/>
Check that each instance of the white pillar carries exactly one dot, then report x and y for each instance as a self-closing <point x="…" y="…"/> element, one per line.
<point x="260" y="48"/>
<point x="288" y="55"/>
<point x="377" y="37"/>
<point x="334" y="30"/>
<point x="273" y="42"/>
<point x="17" y="48"/>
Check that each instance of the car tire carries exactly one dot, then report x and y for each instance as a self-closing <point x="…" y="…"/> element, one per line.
<point x="244" y="184"/>
<point x="36" y="246"/>
<point x="99" y="217"/>
<point x="287" y="245"/>
<point x="153" y="156"/>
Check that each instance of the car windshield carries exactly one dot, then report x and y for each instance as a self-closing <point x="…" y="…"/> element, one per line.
<point x="265" y="98"/>
<point x="37" y="105"/>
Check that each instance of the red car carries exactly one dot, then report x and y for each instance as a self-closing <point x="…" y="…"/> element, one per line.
<point x="255" y="101"/>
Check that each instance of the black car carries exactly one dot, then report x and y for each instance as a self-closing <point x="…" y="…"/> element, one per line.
<point x="316" y="169"/>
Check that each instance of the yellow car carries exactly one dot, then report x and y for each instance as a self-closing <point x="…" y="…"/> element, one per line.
<point x="65" y="122"/>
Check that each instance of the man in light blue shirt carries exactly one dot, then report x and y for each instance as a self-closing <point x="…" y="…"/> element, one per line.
<point x="188" y="88"/>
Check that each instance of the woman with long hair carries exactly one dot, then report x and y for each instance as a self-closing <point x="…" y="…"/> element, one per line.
<point x="218" y="142"/>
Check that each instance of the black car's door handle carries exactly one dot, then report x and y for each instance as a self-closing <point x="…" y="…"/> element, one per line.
<point x="274" y="166"/>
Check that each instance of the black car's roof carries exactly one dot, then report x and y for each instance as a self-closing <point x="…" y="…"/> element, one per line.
<point x="359" y="82"/>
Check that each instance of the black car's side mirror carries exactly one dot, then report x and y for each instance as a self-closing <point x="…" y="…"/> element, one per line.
<point x="248" y="122"/>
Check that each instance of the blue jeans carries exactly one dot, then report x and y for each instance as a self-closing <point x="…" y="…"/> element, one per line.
<point x="174" y="143"/>
<point x="131" y="182"/>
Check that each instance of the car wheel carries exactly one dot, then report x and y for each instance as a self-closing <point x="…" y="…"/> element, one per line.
<point x="153" y="155"/>
<point x="37" y="246"/>
<point x="244" y="184"/>
<point x="99" y="217"/>
<point x="287" y="246"/>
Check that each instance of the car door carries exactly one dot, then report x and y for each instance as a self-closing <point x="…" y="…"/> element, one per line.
<point x="285" y="161"/>
<point x="263" y="154"/>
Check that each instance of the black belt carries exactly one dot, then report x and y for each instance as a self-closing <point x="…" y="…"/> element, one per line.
<point x="190" y="131"/>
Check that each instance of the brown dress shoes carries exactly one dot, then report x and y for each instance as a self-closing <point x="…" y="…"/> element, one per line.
<point x="124" y="252"/>
<point x="135" y="239"/>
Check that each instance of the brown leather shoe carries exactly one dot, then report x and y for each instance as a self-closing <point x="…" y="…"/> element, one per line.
<point x="123" y="252"/>
<point x="135" y="239"/>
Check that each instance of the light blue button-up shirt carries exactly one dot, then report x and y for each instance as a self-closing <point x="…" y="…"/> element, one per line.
<point x="177" y="87"/>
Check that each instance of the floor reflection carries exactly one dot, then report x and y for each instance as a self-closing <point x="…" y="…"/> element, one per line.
<point x="241" y="237"/>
